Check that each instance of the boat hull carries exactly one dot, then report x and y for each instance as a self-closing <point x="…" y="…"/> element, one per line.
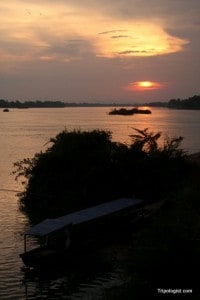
<point x="40" y="257"/>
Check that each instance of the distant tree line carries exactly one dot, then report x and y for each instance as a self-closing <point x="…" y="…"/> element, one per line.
<point x="189" y="103"/>
<point x="30" y="104"/>
<point x="49" y="103"/>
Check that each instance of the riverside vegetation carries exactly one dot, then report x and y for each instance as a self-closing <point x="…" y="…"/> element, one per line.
<point x="189" y="103"/>
<point x="81" y="169"/>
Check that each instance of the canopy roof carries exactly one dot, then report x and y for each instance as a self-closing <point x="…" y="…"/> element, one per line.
<point x="49" y="226"/>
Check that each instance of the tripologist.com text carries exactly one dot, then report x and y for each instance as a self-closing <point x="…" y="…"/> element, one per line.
<point x="174" y="291"/>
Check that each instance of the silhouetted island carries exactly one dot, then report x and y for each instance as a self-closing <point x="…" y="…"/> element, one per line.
<point x="128" y="112"/>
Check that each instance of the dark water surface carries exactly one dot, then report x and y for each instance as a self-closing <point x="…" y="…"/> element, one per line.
<point x="25" y="132"/>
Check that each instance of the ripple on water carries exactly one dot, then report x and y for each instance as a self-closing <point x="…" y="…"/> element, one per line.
<point x="71" y="284"/>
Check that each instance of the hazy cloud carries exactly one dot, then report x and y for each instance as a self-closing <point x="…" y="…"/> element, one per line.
<point x="111" y="31"/>
<point x="119" y="36"/>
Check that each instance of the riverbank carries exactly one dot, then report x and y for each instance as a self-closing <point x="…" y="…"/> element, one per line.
<point x="163" y="250"/>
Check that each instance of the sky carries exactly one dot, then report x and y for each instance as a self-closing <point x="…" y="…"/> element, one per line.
<point x="129" y="51"/>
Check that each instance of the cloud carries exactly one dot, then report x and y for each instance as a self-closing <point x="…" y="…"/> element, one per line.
<point x="136" y="52"/>
<point x="141" y="39"/>
<point x="111" y="31"/>
<point x="63" y="30"/>
<point x="119" y="36"/>
<point x="112" y="42"/>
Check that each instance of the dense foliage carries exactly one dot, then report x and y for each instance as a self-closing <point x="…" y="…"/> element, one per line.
<point x="127" y="112"/>
<point x="83" y="168"/>
<point x="163" y="249"/>
<point x="190" y="103"/>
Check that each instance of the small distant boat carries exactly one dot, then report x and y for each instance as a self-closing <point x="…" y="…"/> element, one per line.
<point x="68" y="233"/>
<point x="128" y="112"/>
<point x="6" y="110"/>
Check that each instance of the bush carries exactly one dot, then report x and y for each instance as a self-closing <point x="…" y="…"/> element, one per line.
<point x="84" y="168"/>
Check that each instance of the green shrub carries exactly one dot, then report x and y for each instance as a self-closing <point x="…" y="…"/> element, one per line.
<point x="84" y="168"/>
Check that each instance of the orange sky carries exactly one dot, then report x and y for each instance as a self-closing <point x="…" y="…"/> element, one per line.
<point x="99" y="51"/>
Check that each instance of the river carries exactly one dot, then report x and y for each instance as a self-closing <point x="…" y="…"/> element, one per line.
<point x="27" y="131"/>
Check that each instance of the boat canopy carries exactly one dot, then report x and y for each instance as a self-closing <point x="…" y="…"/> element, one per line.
<point x="49" y="226"/>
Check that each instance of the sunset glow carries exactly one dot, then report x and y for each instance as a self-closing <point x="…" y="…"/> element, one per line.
<point x="144" y="85"/>
<point x="55" y="31"/>
<point x="110" y="49"/>
<point x="130" y="40"/>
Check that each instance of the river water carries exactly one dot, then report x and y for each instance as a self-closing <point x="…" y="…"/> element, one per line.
<point x="27" y="131"/>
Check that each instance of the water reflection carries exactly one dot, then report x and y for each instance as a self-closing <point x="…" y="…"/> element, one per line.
<point x="86" y="277"/>
<point x="25" y="132"/>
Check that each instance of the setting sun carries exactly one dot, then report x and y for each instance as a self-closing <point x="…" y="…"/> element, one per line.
<point x="143" y="85"/>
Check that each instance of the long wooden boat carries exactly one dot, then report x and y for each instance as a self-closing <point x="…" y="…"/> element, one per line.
<point x="63" y="235"/>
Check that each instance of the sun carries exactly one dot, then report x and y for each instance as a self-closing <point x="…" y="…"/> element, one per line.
<point x="143" y="85"/>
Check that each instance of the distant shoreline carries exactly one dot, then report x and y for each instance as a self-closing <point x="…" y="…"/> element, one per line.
<point x="57" y="104"/>
<point x="189" y="104"/>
